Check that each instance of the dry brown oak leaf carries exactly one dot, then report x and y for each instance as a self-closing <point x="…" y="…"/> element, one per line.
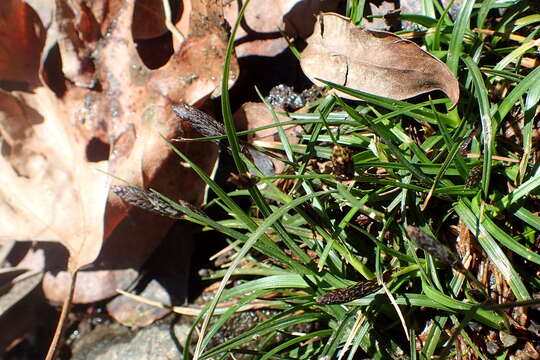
<point x="85" y="96"/>
<point x="253" y="115"/>
<point x="265" y="23"/>
<point x="375" y="62"/>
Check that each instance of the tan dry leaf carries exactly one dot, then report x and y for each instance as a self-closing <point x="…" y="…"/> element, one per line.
<point x="49" y="193"/>
<point x="252" y="115"/>
<point x="376" y="62"/>
<point x="101" y="107"/>
<point x="15" y="284"/>
<point x="264" y="22"/>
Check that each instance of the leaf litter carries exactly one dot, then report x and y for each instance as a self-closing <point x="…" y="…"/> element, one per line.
<point x="135" y="155"/>
<point x="78" y="104"/>
<point x="376" y="62"/>
<point x="99" y="108"/>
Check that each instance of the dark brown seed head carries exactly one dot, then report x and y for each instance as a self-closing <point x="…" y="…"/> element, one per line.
<point x="475" y="175"/>
<point x="344" y="295"/>
<point x="149" y="201"/>
<point x="434" y="248"/>
<point x="197" y="120"/>
<point x="342" y="161"/>
<point x="357" y="291"/>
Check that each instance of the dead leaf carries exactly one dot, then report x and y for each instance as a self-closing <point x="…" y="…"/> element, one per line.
<point x="22" y="37"/>
<point x="148" y="19"/>
<point x="91" y="286"/>
<point x="300" y="19"/>
<point x="101" y="108"/>
<point x="253" y="115"/>
<point x="265" y="22"/>
<point x="17" y="297"/>
<point x="49" y="193"/>
<point x="16" y="284"/>
<point x="376" y="62"/>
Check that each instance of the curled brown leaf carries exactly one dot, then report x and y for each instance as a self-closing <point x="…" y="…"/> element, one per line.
<point x="376" y="62"/>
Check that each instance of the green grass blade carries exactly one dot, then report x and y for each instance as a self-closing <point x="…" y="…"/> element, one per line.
<point x="531" y="81"/>
<point x="228" y="121"/>
<point x="455" y="49"/>
<point x="393" y="105"/>
<point x="264" y="328"/>
<point x="485" y="118"/>
<point x="245" y="248"/>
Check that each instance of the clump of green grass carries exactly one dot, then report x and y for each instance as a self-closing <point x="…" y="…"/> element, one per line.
<point x="466" y="178"/>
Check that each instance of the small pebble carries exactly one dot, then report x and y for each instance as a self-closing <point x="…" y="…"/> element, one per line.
<point x="507" y="339"/>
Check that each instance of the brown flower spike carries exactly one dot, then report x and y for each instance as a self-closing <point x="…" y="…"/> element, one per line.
<point x="356" y="291"/>
<point x="434" y="248"/>
<point x="195" y="119"/>
<point x="149" y="201"/>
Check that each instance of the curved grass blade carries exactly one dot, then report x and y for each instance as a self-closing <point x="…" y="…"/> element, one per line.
<point x="485" y="117"/>
<point x="487" y="317"/>
<point x="266" y="327"/>
<point x="387" y="136"/>
<point x="455" y="49"/>
<point x="297" y="340"/>
<point x="340" y="333"/>
<point x="394" y="105"/>
<point x="240" y="255"/>
<point x="530" y="81"/>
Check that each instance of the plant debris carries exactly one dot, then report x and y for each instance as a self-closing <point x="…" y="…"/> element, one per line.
<point x="149" y="201"/>
<point x="434" y="248"/>
<point x="376" y="62"/>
